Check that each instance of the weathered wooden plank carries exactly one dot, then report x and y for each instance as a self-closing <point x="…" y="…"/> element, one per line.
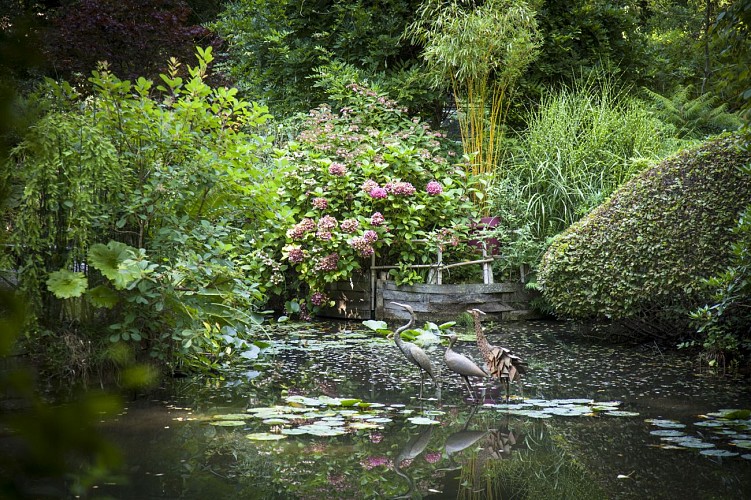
<point x="455" y="289"/>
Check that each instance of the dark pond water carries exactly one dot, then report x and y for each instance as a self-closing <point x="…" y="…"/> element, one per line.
<point x="595" y="422"/>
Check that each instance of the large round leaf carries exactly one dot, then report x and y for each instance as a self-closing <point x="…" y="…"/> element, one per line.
<point x="66" y="284"/>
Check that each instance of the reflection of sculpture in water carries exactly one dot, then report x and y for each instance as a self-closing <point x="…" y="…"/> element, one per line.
<point x="461" y="364"/>
<point x="414" y="354"/>
<point x="501" y="363"/>
<point x="411" y="450"/>
<point x="460" y="441"/>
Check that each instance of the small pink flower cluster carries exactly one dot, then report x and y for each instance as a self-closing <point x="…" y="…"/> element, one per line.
<point x="327" y="222"/>
<point x="369" y="463"/>
<point x="320" y="203"/>
<point x="318" y="298"/>
<point x="328" y="263"/>
<point x="400" y="188"/>
<point x="295" y="254"/>
<point x="298" y="230"/>
<point x="337" y="169"/>
<point x="378" y="193"/>
<point x="370" y="236"/>
<point x="434" y="188"/>
<point x="377" y="219"/>
<point x="363" y="247"/>
<point x="350" y="225"/>
<point x="369" y="185"/>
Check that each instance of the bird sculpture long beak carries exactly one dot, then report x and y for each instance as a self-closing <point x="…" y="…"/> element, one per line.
<point x="470" y="311"/>
<point x="403" y="306"/>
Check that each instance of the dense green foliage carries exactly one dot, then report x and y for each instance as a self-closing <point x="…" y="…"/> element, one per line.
<point x="641" y="256"/>
<point x="367" y="180"/>
<point x="174" y="187"/>
<point x="724" y="324"/>
<point x="275" y="48"/>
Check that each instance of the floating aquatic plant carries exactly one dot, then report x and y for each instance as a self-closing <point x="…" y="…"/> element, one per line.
<point x="726" y="425"/>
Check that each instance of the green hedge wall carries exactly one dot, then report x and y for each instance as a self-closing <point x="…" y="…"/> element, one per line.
<point x="644" y="253"/>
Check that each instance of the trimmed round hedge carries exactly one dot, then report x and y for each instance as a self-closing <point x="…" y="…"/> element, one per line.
<point x="643" y="254"/>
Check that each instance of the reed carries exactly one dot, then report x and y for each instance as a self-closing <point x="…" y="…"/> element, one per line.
<point x="580" y="144"/>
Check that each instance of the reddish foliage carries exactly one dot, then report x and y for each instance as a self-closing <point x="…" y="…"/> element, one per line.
<point x="136" y="37"/>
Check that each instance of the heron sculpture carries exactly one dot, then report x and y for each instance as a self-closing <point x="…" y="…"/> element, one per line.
<point x="461" y="364"/>
<point x="501" y="363"/>
<point x="413" y="353"/>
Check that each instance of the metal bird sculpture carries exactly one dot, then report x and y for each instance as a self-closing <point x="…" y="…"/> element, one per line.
<point x="461" y="364"/>
<point x="501" y="363"/>
<point x="414" y="354"/>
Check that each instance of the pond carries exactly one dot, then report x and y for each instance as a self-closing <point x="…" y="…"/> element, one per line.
<point x="333" y="411"/>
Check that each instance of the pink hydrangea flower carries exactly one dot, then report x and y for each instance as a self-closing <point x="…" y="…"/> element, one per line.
<point x="370" y="236"/>
<point x="337" y="169"/>
<point x="377" y="219"/>
<point x="320" y="203"/>
<point x="362" y="246"/>
<point x="295" y="254"/>
<point x="327" y="222"/>
<point x="350" y="225"/>
<point x="378" y="193"/>
<point x="432" y="458"/>
<point x="318" y="298"/>
<point x="298" y="230"/>
<point x="328" y="263"/>
<point x="372" y="462"/>
<point x="369" y="185"/>
<point x="434" y="188"/>
<point x="400" y="188"/>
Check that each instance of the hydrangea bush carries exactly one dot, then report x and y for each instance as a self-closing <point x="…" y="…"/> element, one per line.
<point x="368" y="180"/>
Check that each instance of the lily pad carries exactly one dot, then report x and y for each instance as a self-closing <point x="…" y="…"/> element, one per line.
<point x="709" y="423"/>
<point x="667" y="424"/>
<point x="694" y="443"/>
<point x="578" y="401"/>
<point x="742" y="443"/>
<point x="667" y="433"/>
<point x="231" y="416"/>
<point x="276" y="421"/>
<point x="620" y="413"/>
<point x="380" y="420"/>
<point x="719" y="453"/>
<point x="294" y="432"/>
<point x="228" y="423"/>
<point x="364" y="425"/>
<point x="265" y="436"/>
<point x="302" y="400"/>
<point x="423" y="421"/>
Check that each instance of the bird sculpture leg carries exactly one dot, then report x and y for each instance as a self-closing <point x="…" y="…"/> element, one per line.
<point x="422" y="382"/>
<point x="469" y="387"/>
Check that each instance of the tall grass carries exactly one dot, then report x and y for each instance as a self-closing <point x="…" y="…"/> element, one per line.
<point x="580" y="144"/>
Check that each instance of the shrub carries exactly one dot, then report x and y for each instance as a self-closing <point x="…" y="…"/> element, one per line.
<point x="367" y="179"/>
<point x="177" y="190"/>
<point x="641" y="256"/>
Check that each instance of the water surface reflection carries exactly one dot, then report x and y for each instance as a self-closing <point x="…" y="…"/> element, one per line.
<point x="494" y="451"/>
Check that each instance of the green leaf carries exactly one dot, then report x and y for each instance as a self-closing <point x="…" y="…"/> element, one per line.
<point x="67" y="284"/>
<point x="103" y="296"/>
<point x="374" y="325"/>
<point x="114" y="261"/>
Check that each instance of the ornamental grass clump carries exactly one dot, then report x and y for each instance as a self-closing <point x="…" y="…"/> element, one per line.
<point x="367" y="180"/>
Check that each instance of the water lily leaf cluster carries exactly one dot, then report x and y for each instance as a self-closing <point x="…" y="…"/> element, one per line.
<point x="573" y="407"/>
<point x="724" y="433"/>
